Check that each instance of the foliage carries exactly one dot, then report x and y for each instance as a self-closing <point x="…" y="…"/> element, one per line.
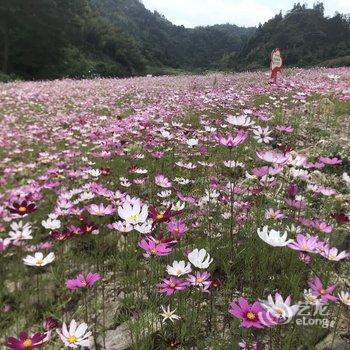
<point x="47" y="39"/>
<point x="305" y="36"/>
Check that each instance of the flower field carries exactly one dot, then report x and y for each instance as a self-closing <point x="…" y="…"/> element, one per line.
<point x="190" y="212"/>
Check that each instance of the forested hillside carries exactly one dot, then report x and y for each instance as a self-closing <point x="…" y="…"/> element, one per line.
<point x="46" y="39"/>
<point x="305" y="36"/>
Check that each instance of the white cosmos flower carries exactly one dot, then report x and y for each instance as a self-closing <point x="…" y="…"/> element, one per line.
<point x="344" y="297"/>
<point x="179" y="268"/>
<point x="133" y="214"/>
<point x="299" y="173"/>
<point x="51" y="224"/>
<point x="182" y="181"/>
<point x="209" y="129"/>
<point x="192" y="142"/>
<point x="273" y="237"/>
<point x="166" y="134"/>
<point x="280" y="308"/>
<point x="121" y="226"/>
<point x="94" y="172"/>
<point x="125" y="182"/>
<point x="240" y="120"/>
<point x="76" y="335"/>
<point x="145" y="228"/>
<point x="141" y="171"/>
<point x="167" y="314"/>
<point x="200" y="258"/>
<point x="20" y="231"/>
<point x="233" y="164"/>
<point x="85" y="196"/>
<point x="164" y="194"/>
<point x="346" y="178"/>
<point x="312" y="299"/>
<point x="38" y="259"/>
<point x="262" y="134"/>
<point x="178" y="206"/>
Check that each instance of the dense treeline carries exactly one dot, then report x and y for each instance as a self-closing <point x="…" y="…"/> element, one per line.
<point x="45" y="39"/>
<point x="305" y="36"/>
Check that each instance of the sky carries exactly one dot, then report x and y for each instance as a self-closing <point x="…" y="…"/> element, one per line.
<point x="192" y="13"/>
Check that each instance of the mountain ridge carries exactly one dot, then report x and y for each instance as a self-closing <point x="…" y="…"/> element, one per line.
<point x="42" y="39"/>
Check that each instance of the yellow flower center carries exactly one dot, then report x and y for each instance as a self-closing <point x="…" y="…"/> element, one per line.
<point x="27" y="343"/>
<point x="153" y="251"/>
<point x="72" y="339"/>
<point x="160" y="216"/>
<point x="39" y="262"/>
<point x="133" y="218"/>
<point x="172" y="285"/>
<point x="22" y="209"/>
<point x="250" y="316"/>
<point x="279" y="310"/>
<point x="200" y="280"/>
<point x="323" y="291"/>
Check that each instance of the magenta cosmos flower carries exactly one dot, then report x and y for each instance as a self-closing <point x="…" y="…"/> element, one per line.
<point x="152" y="247"/>
<point x="248" y="314"/>
<point x="25" y="342"/>
<point x="305" y="244"/>
<point x="82" y="281"/>
<point x="177" y="228"/>
<point x="169" y="285"/>
<point x="230" y="141"/>
<point x="318" y="290"/>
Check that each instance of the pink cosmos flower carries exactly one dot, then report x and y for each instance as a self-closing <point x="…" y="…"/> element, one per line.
<point x="272" y="156"/>
<point x="152" y="247"/>
<point x="332" y="254"/>
<point x="304" y="258"/>
<point x="296" y="203"/>
<point x="82" y="281"/>
<point x="200" y="279"/>
<point x="317" y="165"/>
<point x="330" y="161"/>
<point x="4" y="243"/>
<point x="321" y="226"/>
<point x="274" y="214"/>
<point x="100" y="210"/>
<point x="248" y="314"/>
<point x="230" y="141"/>
<point x="318" y="290"/>
<point x="305" y="244"/>
<point x="169" y="285"/>
<point x="162" y="181"/>
<point x="327" y="191"/>
<point x="177" y="228"/>
<point x="243" y="345"/>
<point x="284" y="129"/>
<point x="25" y="342"/>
